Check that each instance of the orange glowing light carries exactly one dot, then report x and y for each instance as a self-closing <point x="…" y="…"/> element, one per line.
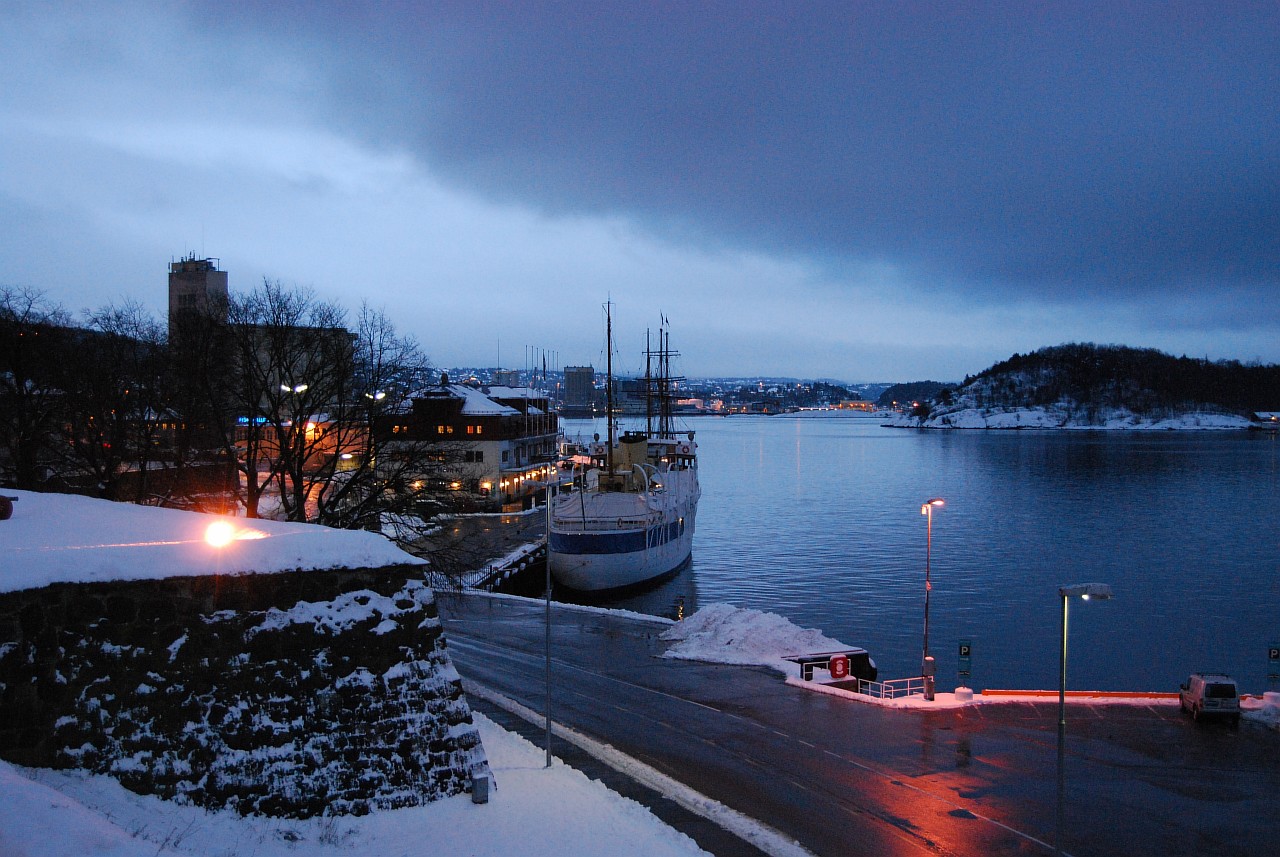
<point x="220" y="534"/>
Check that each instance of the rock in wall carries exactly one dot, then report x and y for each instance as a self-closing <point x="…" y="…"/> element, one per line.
<point x="292" y="695"/>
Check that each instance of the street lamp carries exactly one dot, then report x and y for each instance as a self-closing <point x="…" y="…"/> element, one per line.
<point x="925" y="667"/>
<point x="1086" y="592"/>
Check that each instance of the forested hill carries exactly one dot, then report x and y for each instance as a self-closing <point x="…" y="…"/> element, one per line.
<point x="1140" y="380"/>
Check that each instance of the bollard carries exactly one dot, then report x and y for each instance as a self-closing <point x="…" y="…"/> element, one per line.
<point x="480" y="789"/>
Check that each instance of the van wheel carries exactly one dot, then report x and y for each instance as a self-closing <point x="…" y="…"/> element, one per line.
<point x="1195" y="713"/>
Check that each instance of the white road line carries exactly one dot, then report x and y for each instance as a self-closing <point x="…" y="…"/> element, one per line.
<point x="762" y="836"/>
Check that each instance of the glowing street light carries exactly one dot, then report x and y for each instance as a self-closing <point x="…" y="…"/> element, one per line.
<point x="1085" y="592"/>
<point x="925" y="665"/>
<point x="296" y="388"/>
<point x="219" y="534"/>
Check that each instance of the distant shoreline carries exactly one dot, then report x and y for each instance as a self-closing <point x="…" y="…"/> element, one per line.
<point x="1113" y="420"/>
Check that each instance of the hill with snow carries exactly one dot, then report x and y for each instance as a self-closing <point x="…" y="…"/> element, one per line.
<point x="1108" y="387"/>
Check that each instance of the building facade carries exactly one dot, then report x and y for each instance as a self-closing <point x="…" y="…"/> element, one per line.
<point x="496" y="444"/>
<point x="196" y="286"/>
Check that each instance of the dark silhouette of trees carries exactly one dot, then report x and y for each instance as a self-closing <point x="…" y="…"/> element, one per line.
<point x="33" y="342"/>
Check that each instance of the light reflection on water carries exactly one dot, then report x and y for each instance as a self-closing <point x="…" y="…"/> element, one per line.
<point x="818" y="519"/>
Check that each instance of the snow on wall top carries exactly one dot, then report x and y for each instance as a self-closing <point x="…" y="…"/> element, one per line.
<point x="63" y="538"/>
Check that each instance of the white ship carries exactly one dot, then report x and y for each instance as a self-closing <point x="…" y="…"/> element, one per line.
<point x="631" y="518"/>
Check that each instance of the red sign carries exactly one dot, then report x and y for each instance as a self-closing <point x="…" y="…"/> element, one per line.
<point x="839" y="666"/>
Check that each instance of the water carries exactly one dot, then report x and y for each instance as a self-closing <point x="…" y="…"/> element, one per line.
<point x="818" y="519"/>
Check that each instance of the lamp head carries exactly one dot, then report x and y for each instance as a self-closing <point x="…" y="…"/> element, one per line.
<point x="927" y="508"/>
<point x="1086" y="591"/>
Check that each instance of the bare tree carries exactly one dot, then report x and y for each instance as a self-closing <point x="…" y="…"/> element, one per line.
<point x="112" y="428"/>
<point x="33" y="343"/>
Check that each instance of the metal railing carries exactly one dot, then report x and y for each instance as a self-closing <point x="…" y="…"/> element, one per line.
<point x="892" y="689"/>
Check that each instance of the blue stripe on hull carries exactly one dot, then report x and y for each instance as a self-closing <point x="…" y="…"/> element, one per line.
<point x="597" y="543"/>
<point x="620" y="541"/>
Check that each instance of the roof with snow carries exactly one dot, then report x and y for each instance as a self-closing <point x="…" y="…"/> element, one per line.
<point x="64" y="538"/>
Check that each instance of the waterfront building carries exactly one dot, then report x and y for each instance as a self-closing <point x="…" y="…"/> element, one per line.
<point x="497" y="444"/>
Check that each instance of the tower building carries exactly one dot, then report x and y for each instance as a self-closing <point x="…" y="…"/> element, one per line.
<point x="196" y="285"/>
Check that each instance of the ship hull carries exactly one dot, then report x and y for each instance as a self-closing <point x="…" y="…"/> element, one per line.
<point x="596" y="560"/>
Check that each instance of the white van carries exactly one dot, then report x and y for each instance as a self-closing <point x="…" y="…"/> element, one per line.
<point x="1211" y="695"/>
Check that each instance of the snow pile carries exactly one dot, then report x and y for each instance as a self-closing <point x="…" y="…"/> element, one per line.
<point x="724" y="634"/>
<point x="1265" y="710"/>
<point x="534" y="812"/>
<point x="63" y="538"/>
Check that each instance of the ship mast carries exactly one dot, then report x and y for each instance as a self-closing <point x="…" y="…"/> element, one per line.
<point x="608" y="385"/>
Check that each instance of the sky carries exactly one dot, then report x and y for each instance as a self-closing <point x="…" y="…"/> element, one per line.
<point x="849" y="190"/>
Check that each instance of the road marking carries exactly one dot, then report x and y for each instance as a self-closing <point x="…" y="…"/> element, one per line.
<point x="769" y="840"/>
<point x="891" y="778"/>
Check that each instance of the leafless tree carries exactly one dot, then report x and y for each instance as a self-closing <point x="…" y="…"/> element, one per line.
<point x="33" y="343"/>
<point x="112" y="425"/>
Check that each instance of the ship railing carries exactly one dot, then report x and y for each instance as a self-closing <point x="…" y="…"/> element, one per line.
<point x="622" y="523"/>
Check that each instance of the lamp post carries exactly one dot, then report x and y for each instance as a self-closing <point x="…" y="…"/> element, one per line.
<point x="1086" y="592"/>
<point x="925" y="666"/>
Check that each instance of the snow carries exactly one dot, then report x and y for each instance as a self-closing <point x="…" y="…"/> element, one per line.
<point x="724" y="634"/>
<point x="533" y="811"/>
<point x="476" y="404"/>
<point x="965" y="416"/>
<point x="1264" y="710"/>
<point x="63" y="538"/>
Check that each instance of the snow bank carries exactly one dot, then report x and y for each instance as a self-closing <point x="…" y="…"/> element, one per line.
<point x="63" y="538"/>
<point x="534" y="812"/>
<point x="1265" y="710"/>
<point x="724" y="634"/>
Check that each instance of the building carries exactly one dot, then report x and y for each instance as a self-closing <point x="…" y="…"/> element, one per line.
<point x="497" y="444"/>
<point x="196" y="285"/>
<point x="506" y="377"/>
<point x="579" y="391"/>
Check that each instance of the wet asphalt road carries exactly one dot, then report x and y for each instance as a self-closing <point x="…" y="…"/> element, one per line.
<point x="847" y="778"/>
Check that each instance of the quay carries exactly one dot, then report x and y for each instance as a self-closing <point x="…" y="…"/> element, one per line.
<point x="832" y="777"/>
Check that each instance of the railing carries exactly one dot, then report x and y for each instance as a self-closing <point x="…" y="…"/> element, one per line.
<point x="893" y="688"/>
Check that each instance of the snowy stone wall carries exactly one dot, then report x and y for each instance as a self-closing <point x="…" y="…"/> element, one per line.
<point x="291" y="695"/>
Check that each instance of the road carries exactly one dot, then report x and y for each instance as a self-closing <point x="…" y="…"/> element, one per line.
<point x="848" y="778"/>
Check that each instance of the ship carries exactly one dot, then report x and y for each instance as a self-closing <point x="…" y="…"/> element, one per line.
<point x="629" y="519"/>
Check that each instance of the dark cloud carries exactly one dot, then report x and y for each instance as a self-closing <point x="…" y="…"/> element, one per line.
<point x="1026" y="150"/>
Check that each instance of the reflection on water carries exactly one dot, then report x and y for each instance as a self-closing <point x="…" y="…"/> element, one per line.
<point x="818" y="519"/>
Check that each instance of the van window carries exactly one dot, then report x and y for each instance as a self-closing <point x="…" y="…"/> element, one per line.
<point x="1220" y="691"/>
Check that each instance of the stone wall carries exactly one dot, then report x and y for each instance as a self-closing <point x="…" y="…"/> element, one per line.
<point x="294" y="694"/>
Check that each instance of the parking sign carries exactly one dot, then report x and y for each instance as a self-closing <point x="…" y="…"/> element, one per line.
<point x="966" y="654"/>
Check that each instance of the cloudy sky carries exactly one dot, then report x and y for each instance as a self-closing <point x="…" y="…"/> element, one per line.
<point x="889" y="191"/>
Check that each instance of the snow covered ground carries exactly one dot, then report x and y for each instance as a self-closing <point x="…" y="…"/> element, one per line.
<point x="534" y="812"/>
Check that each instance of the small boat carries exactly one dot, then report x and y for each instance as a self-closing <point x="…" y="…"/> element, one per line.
<point x="630" y="519"/>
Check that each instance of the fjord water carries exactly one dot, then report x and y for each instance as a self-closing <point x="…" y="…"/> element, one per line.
<point x="817" y="518"/>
